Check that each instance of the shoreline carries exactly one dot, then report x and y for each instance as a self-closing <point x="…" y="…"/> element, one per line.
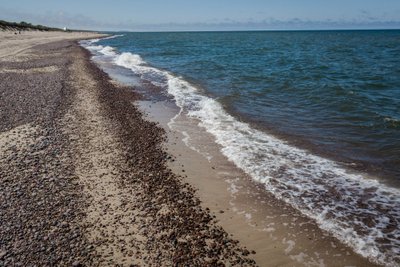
<point x="84" y="176"/>
<point x="352" y="224"/>
<point x="279" y="234"/>
<point x="115" y="147"/>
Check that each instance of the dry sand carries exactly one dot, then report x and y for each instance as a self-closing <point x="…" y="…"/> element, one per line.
<point x="12" y="44"/>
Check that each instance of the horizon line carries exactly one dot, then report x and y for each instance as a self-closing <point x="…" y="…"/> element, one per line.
<point x="247" y="30"/>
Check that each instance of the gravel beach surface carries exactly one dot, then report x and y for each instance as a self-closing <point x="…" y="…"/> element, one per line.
<point x="84" y="178"/>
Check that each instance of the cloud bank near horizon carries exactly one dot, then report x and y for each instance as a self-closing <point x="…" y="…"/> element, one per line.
<point x="79" y="21"/>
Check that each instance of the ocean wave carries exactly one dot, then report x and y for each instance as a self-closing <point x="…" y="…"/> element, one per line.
<point x="392" y="122"/>
<point x="112" y="37"/>
<point x="108" y="51"/>
<point x="103" y="50"/>
<point x="361" y="212"/>
<point x="129" y="60"/>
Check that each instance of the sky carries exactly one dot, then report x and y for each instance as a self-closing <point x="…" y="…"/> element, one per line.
<point x="176" y="15"/>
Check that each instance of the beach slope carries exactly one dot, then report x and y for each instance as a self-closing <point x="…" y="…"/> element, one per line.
<point x="83" y="176"/>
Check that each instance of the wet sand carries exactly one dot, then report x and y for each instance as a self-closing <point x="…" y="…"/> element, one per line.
<point x="280" y="235"/>
<point x="84" y="177"/>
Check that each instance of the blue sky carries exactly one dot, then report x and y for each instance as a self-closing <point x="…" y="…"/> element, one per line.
<point x="153" y="15"/>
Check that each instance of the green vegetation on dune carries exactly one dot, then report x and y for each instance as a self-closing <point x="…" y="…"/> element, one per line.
<point x="24" y="26"/>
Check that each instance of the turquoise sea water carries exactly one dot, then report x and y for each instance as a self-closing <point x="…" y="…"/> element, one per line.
<point x="315" y="116"/>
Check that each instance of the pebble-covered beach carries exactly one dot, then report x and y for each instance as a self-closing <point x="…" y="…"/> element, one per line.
<point x="83" y="176"/>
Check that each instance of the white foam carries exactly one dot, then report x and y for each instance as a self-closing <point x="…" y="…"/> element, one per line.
<point x="92" y="41"/>
<point x="129" y="60"/>
<point x="187" y="141"/>
<point x="104" y="50"/>
<point x="318" y="187"/>
<point x="108" y="51"/>
<point x="112" y="37"/>
<point x="269" y="229"/>
<point x="233" y="188"/>
<point x="93" y="48"/>
<point x="140" y="67"/>
<point x="290" y="245"/>
<point x="342" y="203"/>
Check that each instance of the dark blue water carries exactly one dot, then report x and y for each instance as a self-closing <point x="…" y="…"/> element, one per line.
<point x="313" y="116"/>
<point x="337" y="92"/>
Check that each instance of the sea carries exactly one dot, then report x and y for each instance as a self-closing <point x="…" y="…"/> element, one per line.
<point x="314" y="116"/>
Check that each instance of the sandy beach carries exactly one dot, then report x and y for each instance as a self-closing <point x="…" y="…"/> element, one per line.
<point x="84" y="177"/>
<point x="92" y="174"/>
